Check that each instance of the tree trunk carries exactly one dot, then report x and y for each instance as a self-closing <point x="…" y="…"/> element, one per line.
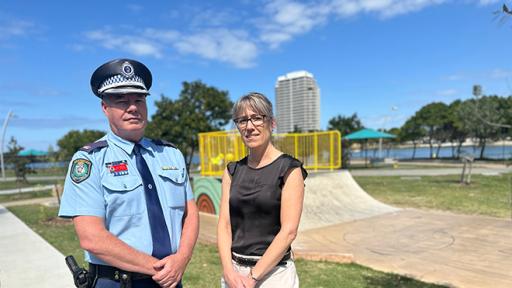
<point x="458" y="148"/>
<point x="188" y="160"/>
<point x="482" y="143"/>
<point x="438" y="148"/>
<point x="413" y="150"/>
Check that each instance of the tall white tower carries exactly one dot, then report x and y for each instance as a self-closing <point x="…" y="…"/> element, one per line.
<point x="297" y="102"/>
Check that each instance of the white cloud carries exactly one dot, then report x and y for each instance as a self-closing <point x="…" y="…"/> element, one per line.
<point x="213" y="18"/>
<point x="285" y="19"/>
<point x="487" y="2"/>
<point x="167" y="36"/>
<point x="15" y="28"/>
<point x="500" y="73"/>
<point x="230" y="46"/>
<point x="211" y="34"/>
<point x="383" y="8"/>
<point x="136" y="45"/>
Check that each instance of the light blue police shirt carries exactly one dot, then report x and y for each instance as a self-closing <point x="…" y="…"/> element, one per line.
<point x="95" y="188"/>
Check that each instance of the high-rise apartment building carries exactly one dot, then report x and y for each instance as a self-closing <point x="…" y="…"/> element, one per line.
<point x="297" y="102"/>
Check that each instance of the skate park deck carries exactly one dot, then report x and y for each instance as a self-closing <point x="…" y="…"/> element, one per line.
<point x="437" y="247"/>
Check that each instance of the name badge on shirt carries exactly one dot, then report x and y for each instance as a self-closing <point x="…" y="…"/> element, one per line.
<point x="169" y="168"/>
<point x="118" y="168"/>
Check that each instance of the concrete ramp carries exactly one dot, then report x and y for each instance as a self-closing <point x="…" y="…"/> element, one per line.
<point x="335" y="197"/>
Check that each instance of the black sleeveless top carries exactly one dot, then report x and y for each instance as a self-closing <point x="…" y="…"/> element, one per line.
<point x="255" y="203"/>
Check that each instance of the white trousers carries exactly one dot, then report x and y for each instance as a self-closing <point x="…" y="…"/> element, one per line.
<point x="280" y="276"/>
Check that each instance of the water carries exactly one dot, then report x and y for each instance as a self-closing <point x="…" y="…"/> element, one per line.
<point x="490" y="152"/>
<point x="46" y="165"/>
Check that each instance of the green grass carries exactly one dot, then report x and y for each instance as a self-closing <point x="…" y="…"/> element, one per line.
<point x="5" y="185"/>
<point x="204" y="269"/>
<point x="486" y="195"/>
<point x="57" y="171"/>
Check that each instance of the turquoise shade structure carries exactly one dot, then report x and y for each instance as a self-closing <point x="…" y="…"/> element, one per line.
<point x="32" y="152"/>
<point x="365" y="134"/>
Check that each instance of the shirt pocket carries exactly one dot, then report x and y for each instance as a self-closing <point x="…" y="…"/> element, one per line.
<point x="174" y="185"/>
<point x="174" y="182"/>
<point x="123" y="195"/>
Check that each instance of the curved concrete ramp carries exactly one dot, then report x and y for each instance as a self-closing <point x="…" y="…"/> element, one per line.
<point x="335" y="197"/>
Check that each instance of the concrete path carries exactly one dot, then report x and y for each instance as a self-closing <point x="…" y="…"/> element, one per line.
<point x="34" y="178"/>
<point x="26" y="259"/>
<point x="428" y="171"/>
<point x="26" y="189"/>
<point x="443" y="248"/>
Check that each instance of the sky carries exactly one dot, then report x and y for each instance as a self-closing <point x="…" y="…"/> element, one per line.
<point x="381" y="59"/>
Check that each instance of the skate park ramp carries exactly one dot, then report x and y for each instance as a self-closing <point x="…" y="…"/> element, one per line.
<point x="335" y="197"/>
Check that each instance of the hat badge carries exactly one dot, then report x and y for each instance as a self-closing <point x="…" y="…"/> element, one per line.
<point x="127" y="69"/>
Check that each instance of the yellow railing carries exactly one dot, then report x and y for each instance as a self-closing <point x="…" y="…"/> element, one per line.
<point x="317" y="150"/>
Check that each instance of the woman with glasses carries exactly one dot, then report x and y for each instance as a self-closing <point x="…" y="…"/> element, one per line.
<point x="261" y="204"/>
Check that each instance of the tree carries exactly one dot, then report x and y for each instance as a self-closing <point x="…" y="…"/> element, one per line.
<point x="74" y="140"/>
<point x="345" y="125"/>
<point x="297" y="129"/>
<point x="394" y="141"/>
<point x="52" y="155"/>
<point x="458" y="131"/>
<point x="434" y="118"/>
<point x="481" y="118"/>
<point x="19" y="163"/>
<point x="199" y="108"/>
<point x="413" y="131"/>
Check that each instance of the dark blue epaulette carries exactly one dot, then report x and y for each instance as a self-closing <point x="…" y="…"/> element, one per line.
<point x="91" y="147"/>
<point x="162" y="142"/>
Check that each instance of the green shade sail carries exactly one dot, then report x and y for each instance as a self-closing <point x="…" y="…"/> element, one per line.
<point x="32" y="152"/>
<point x="368" y="134"/>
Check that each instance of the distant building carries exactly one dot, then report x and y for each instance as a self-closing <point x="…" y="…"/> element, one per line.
<point x="297" y="102"/>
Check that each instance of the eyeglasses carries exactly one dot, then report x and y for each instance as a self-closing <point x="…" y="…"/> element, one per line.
<point x="256" y="120"/>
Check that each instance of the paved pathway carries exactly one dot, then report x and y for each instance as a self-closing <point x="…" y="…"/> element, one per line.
<point x="26" y="189"/>
<point x="26" y="259"/>
<point x="34" y="178"/>
<point x="463" y="251"/>
<point x="428" y="171"/>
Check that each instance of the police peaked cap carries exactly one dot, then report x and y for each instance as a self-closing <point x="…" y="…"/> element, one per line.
<point x="121" y="76"/>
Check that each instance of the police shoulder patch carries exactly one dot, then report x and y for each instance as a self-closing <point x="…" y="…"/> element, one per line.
<point x="80" y="170"/>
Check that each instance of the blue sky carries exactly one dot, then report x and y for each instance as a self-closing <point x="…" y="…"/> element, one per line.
<point x="367" y="56"/>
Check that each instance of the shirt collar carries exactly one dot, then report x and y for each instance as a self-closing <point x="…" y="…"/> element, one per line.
<point x="125" y="145"/>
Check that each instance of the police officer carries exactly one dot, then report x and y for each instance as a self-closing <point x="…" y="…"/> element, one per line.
<point x="130" y="196"/>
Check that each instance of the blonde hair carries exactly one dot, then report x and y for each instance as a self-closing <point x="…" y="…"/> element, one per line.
<point x="257" y="102"/>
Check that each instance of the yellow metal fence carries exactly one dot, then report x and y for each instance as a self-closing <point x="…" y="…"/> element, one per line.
<point x="317" y="150"/>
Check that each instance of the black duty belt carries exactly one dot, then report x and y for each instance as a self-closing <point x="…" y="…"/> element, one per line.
<point x="113" y="273"/>
<point x="250" y="262"/>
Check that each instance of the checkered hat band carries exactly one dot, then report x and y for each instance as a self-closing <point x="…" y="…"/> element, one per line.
<point x="120" y="81"/>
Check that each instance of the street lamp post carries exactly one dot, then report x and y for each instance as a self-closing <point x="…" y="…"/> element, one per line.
<point x="4" y="127"/>
<point x="386" y="120"/>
